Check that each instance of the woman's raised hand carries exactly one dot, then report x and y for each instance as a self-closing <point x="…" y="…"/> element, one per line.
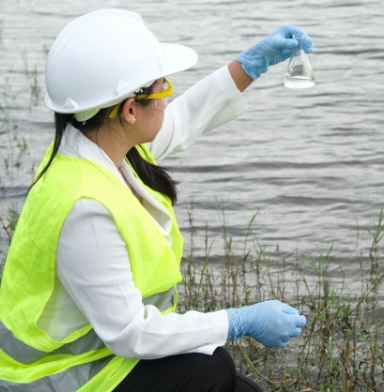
<point x="272" y="50"/>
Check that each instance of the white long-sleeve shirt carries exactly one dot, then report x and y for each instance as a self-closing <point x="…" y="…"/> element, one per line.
<point x="94" y="281"/>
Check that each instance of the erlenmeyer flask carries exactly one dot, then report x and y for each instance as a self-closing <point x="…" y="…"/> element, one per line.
<point x="299" y="72"/>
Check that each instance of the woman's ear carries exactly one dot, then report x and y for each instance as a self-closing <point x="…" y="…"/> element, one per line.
<point x="129" y="111"/>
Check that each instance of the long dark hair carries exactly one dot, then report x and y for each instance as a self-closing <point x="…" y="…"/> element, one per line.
<point x="155" y="177"/>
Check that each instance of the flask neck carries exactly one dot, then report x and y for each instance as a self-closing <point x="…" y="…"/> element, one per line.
<point x="300" y="39"/>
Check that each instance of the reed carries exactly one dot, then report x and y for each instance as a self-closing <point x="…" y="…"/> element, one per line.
<point x="1" y="31"/>
<point x="32" y="77"/>
<point x="7" y="228"/>
<point x="341" y="346"/>
<point x="17" y="151"/>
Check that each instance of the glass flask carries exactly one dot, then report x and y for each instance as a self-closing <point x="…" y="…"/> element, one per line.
<point x="299" y="72"/>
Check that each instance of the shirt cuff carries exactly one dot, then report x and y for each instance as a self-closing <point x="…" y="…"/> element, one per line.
<point x="220" y="325"/>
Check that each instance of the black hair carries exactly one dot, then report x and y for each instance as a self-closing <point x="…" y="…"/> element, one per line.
<point x="154" y="176"/>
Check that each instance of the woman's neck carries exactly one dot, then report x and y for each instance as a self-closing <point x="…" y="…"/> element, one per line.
<point x="114" y="143"/>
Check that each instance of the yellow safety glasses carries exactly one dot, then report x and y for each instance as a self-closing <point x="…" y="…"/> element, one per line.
<point x="163" y="94"/>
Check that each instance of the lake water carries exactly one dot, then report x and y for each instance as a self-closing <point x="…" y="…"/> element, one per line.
<point x="309" y="161"/>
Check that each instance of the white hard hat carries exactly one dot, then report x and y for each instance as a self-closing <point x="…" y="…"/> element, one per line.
<point x="101" y="58"/>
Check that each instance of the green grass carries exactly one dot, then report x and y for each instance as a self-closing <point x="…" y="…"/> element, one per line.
<point x="341" y="347"/>
<point x="1" y="31"/>
<point x="7" y="228"/>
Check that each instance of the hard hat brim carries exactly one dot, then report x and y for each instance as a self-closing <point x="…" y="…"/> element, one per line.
<point x="177" y="58"/>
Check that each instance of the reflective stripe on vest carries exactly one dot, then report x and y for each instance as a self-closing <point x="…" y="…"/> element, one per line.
<point x="162" y="301"/>
<point x="69" y="380"/>
<point x="27" y="355"/>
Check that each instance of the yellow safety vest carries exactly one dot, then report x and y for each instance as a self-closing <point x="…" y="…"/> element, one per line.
<point x="30" y="361"/>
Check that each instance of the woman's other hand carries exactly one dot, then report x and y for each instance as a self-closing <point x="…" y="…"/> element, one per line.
<point x="271" y="323"/>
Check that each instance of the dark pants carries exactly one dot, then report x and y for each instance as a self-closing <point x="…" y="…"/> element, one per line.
<point x="188" y="373"/>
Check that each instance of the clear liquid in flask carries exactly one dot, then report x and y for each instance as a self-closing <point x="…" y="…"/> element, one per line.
<point x="296" y="78"/>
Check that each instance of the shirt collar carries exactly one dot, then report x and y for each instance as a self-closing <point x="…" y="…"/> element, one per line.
<point x="76" y="144"/>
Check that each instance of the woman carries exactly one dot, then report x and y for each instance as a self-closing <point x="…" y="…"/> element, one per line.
<point x="88" y="293"/>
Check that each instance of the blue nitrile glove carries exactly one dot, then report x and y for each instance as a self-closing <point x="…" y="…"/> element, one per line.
<point x="272" y="50"/>
<point x="271" y="323"/>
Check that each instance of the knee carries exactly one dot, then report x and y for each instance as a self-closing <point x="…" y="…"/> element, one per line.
<point x="215" y="373"/>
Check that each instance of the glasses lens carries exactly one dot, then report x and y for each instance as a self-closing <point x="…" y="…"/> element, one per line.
<point x="161" y="104"/>
<point x="166" y="85"/>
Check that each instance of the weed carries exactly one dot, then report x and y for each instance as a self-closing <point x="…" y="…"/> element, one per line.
<point x="341" y="347"/>
<point x="8" y="225"/>
<point x="35" y="89"/>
